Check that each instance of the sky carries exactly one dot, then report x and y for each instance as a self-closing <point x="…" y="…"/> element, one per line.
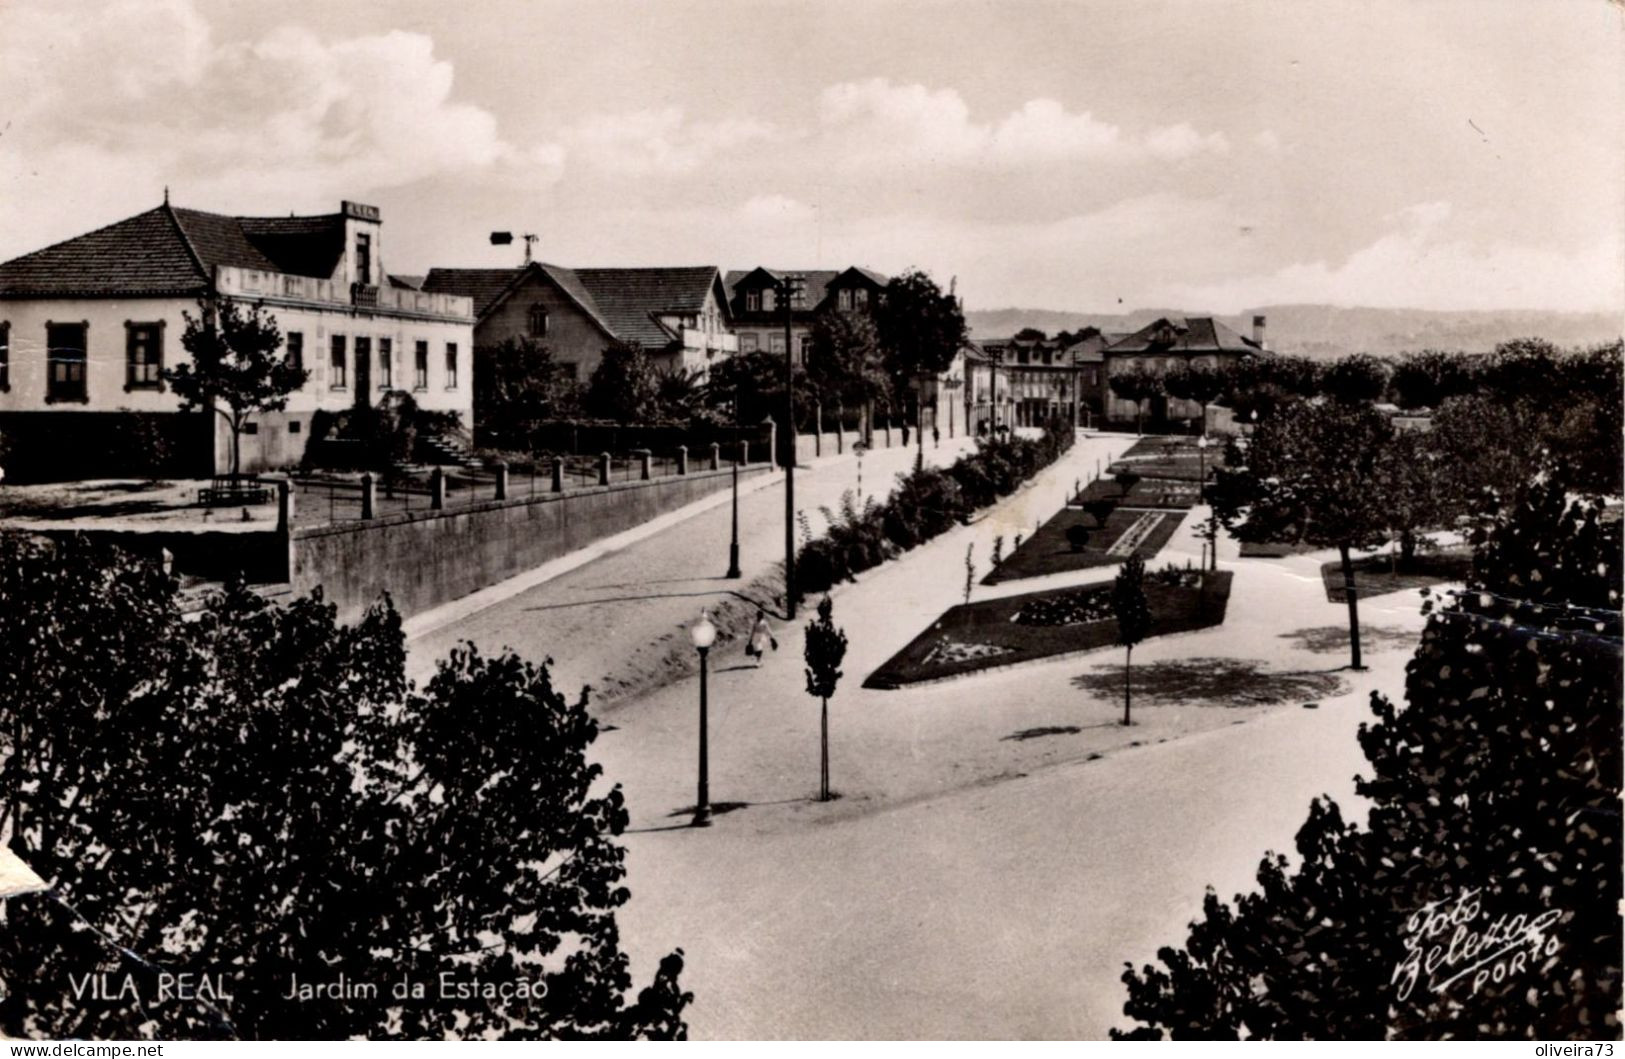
<point x="1086" y="156"/>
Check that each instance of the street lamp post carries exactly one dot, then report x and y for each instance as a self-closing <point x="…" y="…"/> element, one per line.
<point x="733" y="543"/>
<point x="703" y="635"/>
<point x="790" y="286"/>
<point x="1202" y="444"/>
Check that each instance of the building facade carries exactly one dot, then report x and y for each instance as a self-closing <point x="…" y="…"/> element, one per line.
<point x="1168" y="343"/>
<point x="88" y="326"/>
<point x="679" y="316"/>
<point x="759" y="315"/>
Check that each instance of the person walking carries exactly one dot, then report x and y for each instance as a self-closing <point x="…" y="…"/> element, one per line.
<point x="761" y="638"/>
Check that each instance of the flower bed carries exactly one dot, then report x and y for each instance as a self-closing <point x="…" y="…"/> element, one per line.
<point x="990" y="633"/>
<point x="1048" y="551"/>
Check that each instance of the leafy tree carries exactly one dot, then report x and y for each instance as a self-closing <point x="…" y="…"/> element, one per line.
<point x="1419" y="495"/>
<point x="825" y="648"/>
<point x="1030" y="334"/>
<point x="1494" y="793"/>
<point x="624" y="386"/>
<point x="678" y="393"/>
<point x="1100" y="510"/>
<point x="844" y="364"/>
<point x="258" y="795"/>
<point x="1198" y="383"/>
<point x="921" y="330"/>
<point x="1357" y="379"/>
<point x="1133" y="615"/>
<point x="1077" y="536"/>
<point x="518" y="386"/>
<point x="1428" y="378"/>
<point x="749" y="388"/>
<point x="235" y="367"/>
<point x="1312" y="474"/>
<point x="1138" y="386"/>
<point x="1126" y="480"/>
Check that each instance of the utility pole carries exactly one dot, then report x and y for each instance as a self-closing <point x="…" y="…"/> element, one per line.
<point x="789" y="286"/>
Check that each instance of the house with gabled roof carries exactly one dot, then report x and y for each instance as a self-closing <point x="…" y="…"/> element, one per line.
<point x="1171" y="342"/>
<point x="88" y="325"/>
<point x="759" y="315"/>
<point x="679" y="316"/>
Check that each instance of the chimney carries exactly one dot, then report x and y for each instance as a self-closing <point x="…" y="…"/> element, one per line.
<point x="1258" y="331"/>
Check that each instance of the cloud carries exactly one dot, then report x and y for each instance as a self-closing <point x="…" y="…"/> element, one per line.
<point x="1422" y="263"/>
<point x="880" y="120"/>
<point x="663" y="141"/>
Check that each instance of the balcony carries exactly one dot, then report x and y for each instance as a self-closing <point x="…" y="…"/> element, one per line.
<point x="714" y="342"/>
<point x="255" y="284"/>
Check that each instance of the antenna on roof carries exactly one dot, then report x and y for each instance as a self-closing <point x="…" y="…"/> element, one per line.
<point x="166" y="194"/>
<point x="506" y="239"/>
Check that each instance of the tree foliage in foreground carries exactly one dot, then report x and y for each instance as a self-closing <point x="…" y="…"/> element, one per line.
<point x="1496" y="793"/>
<point x="259" y="796"/>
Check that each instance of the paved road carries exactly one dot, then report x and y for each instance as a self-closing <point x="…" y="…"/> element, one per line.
<point x="613" y="618"/>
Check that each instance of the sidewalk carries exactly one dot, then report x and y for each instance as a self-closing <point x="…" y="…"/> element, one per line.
<point x="616" y="615"/>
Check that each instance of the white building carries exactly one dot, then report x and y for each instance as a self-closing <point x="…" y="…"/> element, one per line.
<point x="88" y="325"/>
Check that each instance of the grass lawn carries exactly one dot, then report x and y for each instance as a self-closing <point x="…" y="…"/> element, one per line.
<point x="1047" y="551"/>
<point x="1373" y="574"/>
<point x="1001" y="632"/>
<point x="1175" y="458"/>
<point x="1148" y="492"/>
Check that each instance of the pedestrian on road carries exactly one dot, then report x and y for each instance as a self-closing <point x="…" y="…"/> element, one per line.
<point x="761" y="638"/>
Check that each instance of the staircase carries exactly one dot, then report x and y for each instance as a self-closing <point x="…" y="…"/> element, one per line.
<point x="447" y="452"/>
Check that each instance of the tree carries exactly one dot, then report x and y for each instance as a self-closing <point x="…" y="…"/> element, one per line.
<point x="921" y="330"/>
<point x="825" y="648"/>
<point x="623" y="387"/>
<point x="235" y="367"/>
<point x="749" y="388"/>
<point x="257" y="794"/>
<point x="1313" y="474"/>
<point x="1428" y="378"/>
<point x="1133" y="615"/>
<point x="1357" y="379"/>
<point x="1494" y="793"/>
<point x="1126" y="480"/>
<point x="1419" y="494"/>
<point x="1030" y="334"/>
<point x="1138" y="386"/>
<point x="518" y="386"/>
<point x="1100" y="510"/>
<point x="1198" y="383"/>
<point x="678" y="393"/>
<point x="844" y="363"/>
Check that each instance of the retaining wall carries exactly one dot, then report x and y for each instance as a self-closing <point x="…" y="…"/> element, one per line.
<point x="426" y="558"/>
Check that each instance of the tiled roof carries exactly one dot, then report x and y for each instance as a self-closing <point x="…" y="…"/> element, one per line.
<point x="1194" y="334"/>
<point x="484" y="285"/>
<point x="144" y="254"/>
<point x="818" y="280"/>
<point x="169" y="250"/>
<point x="631" y="298"/>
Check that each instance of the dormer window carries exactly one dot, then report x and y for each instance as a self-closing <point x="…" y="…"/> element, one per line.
<point x="844" y="299"/>
<point x="861" y="298"/>
<point x="753" y="301"/>
<point x="538" y="320"/>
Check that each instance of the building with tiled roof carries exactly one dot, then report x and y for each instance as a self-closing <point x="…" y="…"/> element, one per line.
<point x="678" y="315"/>
<point x="1171" y="342"/>
<point x="89" y="325"/>
<point x="759" y="316"/>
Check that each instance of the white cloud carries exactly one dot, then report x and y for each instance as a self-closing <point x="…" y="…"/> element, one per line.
<point x="877" y="120"/>
<point x="1421" y="264"/>
<point x="663" y="141"/>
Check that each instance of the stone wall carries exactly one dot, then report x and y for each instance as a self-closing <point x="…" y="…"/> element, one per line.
<point x="426" y="558"/>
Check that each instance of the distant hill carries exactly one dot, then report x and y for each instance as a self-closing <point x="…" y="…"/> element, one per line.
<point x="1326" y="331"/>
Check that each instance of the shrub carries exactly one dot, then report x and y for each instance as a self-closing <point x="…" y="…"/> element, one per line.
<point x="927" y="503"/>
<point x="1077" y="535"/>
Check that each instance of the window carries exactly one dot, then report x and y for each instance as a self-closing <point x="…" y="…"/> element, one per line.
<point x="451" y="365"/>
<point x="251" y="428"/>
<point x="143" y="356"/>
<point x="538" y="320"/>
<point x="753" y="301"/>
<point x="296" y="349"/>
<point x="293" y="426"/>
<point x="749" y="342"/>
<point x="421" y="363"/>
<point x="65" y="357"/>
<point x="805" y="346"/>
<point x="5" y="356"/>
<point x="337" y="377"/>
<point x="776" y="342"/>
<point x="843" y="299"/>
<point x="363" y="365"/>
<point x="860" y="297"/>
<point x="769" y="298"/>
<point x="386" y="364"/>
<point x="363" y="257"/>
